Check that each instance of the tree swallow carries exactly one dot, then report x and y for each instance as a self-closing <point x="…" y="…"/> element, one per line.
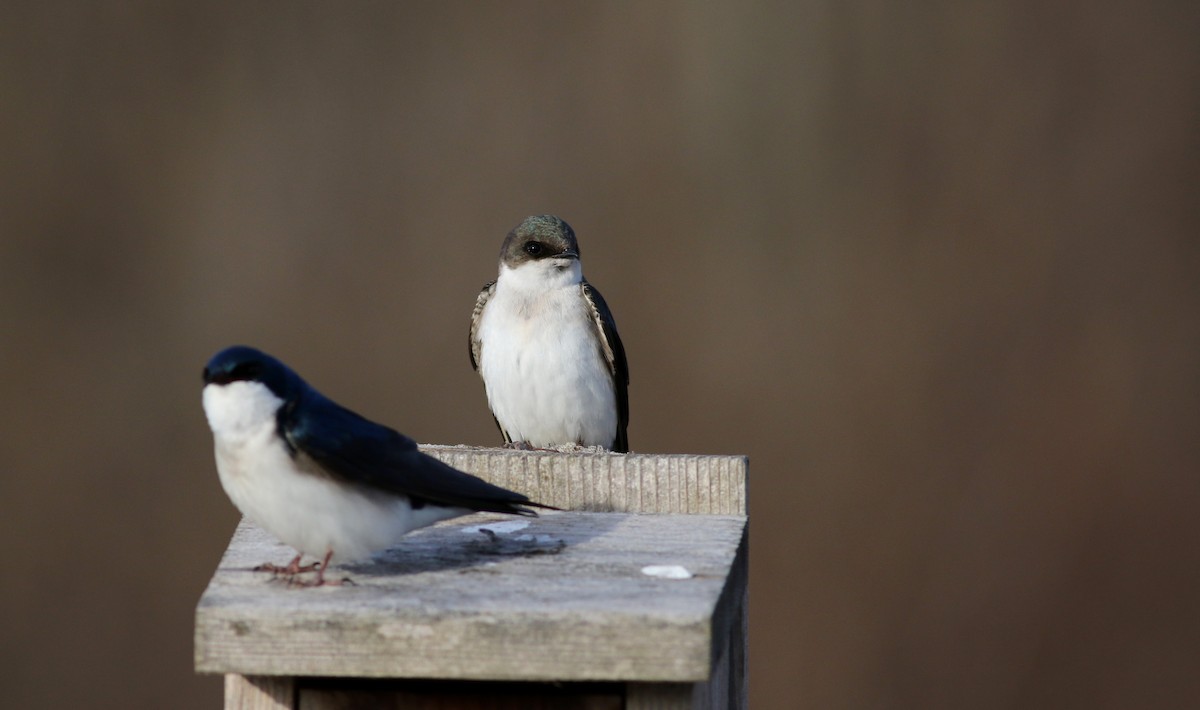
<point x="545" y="344"/>
<point x="320" y="477"/>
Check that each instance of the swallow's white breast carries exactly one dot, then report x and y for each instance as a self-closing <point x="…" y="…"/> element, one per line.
<point x="292" y="498"/>
<point x="547" y="382"/>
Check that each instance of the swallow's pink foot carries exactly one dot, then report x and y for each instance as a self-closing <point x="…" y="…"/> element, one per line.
<point x="292" y="569"/>
<point x="320" y="581"/>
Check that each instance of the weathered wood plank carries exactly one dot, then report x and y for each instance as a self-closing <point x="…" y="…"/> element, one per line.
<point x="727" y="687"/>
<point x="562" y="597"/>
<point x="259" y="693"/>
<point x="607" y="482"/>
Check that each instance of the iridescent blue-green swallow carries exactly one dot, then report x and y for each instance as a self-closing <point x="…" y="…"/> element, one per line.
<point x="321" y="478"/>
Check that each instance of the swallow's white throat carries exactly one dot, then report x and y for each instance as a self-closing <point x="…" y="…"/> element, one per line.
<point x="542" y="275"/>
<point x="240" y="410"/>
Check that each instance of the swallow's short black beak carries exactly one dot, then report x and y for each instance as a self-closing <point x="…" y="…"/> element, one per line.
<point x="567" y="255"/>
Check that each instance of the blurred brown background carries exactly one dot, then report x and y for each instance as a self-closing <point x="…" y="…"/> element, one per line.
<point x="934" y="269"/>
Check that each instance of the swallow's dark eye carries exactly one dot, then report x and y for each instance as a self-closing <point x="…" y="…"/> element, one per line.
<point x="218" y="377"/>
<point x="240" y="372"/>
<point x="534" y="249"/>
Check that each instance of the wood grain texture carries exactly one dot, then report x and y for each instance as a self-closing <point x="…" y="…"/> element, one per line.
<point x="728" y="685"/>
<point x="562" y="598"/>
<point x="607" y="482"/>
<point x="259" y="693"/>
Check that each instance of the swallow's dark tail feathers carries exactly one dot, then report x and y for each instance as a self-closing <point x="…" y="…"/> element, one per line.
<point x="446" y="485"/>
<point x="522" y="508"/>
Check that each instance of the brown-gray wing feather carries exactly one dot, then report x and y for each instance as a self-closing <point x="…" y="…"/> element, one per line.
<point x="614" y="354"/>
<point x="475" y="345"/>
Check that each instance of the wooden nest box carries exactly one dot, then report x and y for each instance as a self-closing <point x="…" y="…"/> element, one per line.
<point x="634" y="597"/>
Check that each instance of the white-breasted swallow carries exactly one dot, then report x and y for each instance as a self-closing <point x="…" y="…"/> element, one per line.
<point x="321" y="478"/>
<point x="546" y="345"/>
